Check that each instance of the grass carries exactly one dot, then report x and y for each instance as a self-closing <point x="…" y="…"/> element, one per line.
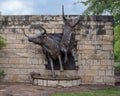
<point x="117" y="67"/>
<point x="106" y="92"/>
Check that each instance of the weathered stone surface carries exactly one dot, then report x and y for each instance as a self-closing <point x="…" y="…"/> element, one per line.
<point x="52" y="83"/>
<point x="88" y="79"/>
<point x="14" y="60"/>
<point x="94" y="36"/>
<point x="87" y="51"/>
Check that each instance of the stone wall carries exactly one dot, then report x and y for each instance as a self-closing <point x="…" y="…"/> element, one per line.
<point x="94" y="35"/>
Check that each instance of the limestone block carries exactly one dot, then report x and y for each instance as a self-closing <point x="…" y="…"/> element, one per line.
<point x="22" y="54"/>
<point x="95" y="67"/>
<point x="99" y="37"/>
<point x="81" y="72"/>
<point x="56" y="26"/>
<point x="23" y="60"/>
<point x="84" y="56"/>
<point x="63" y="83"/>
<point x="96" y="56"/>
<point x="104" y="67"/>
<point x="88" y="42"/>
<point x="19" y="36"/>
<point x="79" y="47"/>
<point x="69" y="73"/>
<point x="40" y="82"/>
<point x="88" y="47"/>
<point x="78" y="37"/>
<point x="76" y="82"/>
<point x="106" y="62"/>
<point x="11" y="36"/>
<point x="45" y="82"/>
<point x="85" y="51"/>
<point x="14" y="60"/>
<point x="69" y="83"/>
<point x="109" y="32"/>
<point x="87" y="79"/>
<point x="107" y="38"/>
<point x="91" y="72"/>
<point x="14" y="77"/>
<point x="99" y="79"/>
<point x="107" y="47"/>
<point x="35" y="81"/>
<point x="11" y="46"/>
<point x="101" y="72"/>
<point x="52" y="83"/>
<point x="20" y="46"/>
<point x="108" y="27"/>
<point x="109" y="79"/>
<point x="109" y="23"/>
<point x="96" y="62"/>
<point x="110" y="73"/>
<point x="25" y="78"/>
<point x="3" y="60"/>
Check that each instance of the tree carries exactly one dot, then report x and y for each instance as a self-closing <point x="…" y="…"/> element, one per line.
<point x="117" y="42"/>
<point x="2" y="40"/>
<point x="97" y="7"/>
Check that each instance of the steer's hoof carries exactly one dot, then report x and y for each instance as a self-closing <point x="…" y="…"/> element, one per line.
<point x="61" y="70"/>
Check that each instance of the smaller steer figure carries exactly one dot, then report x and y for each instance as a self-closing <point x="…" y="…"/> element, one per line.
<point x="49" y="45"/>
<point x="66" y="41"/>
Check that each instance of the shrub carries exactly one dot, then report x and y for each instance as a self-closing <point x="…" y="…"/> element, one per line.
<point x="2" y="42"/>
<point x="2" y="73"/>
<point x="117" y="67"/>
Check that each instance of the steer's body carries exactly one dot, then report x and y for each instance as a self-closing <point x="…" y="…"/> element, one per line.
<point x="66" y="41"/>
<point x="49" y="45"/>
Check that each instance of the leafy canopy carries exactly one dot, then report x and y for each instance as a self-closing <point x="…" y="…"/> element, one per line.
<point x="97" y="7"/>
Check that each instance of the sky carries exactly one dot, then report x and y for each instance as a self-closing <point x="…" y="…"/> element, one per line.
<point x="40" y="7"/>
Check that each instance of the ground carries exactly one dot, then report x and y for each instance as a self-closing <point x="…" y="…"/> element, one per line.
<point x="26" y="89"/>
<point x="16" y="89"/>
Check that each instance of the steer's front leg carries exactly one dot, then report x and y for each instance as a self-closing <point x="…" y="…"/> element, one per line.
<point x="60" y="62"/>
<point x="52" y="67"/>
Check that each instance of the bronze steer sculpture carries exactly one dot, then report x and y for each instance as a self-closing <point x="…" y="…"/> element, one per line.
<point x="66" y="41"/>
<point x="49" y="44"/>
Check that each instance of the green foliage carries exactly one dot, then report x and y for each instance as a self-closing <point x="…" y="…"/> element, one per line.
<point x="117" y="67"/>
<point x="117" y="42"/>
<point x="2" y="42"/>
<point x="107" y="92"/>
<point x="2" y="73"/>
<point x="117" y="33"/>
<point x="97" y="7"/>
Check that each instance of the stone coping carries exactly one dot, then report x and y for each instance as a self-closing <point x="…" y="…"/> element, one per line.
<point x="56" y="82"/>
<point x="57" y="78"/>
<point x="55" y="17"/>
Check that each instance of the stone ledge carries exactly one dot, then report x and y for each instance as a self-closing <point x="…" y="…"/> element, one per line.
<point x="57" y="82"/>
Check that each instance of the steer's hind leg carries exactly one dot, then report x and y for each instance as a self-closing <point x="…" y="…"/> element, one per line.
<point x="74" y="54"/>
<point x="52" y="67"/>
<point x="60" y="62"/>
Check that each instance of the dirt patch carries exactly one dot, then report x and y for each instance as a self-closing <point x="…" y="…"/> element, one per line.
<point x="17" y="89"/>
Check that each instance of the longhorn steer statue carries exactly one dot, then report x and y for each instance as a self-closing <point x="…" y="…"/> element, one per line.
<point x="49" y="45"/>
<point x="65" y="43"/>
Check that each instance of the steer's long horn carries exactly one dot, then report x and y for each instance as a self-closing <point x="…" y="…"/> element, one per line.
<point x="63" y="16"/>
<point x="43" y="30"/>
<point x="25" y="33"/>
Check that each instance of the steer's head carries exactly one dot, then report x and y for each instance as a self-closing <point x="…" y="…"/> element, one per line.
<point x="70" y="22"/>
<point x="38" y="37"/>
